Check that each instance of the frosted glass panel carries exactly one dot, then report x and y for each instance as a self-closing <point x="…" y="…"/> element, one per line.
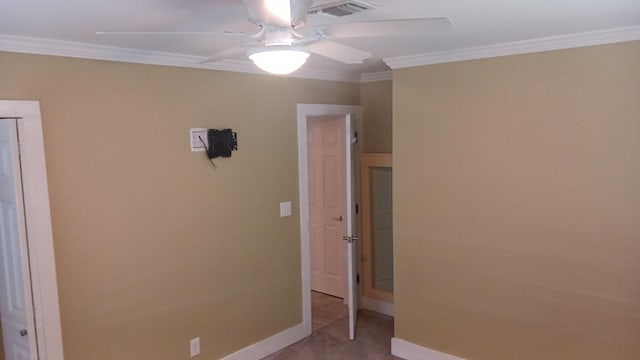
<point x="382" y="228"/>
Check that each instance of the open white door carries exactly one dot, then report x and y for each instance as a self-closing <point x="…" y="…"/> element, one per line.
<point x="350" y="237"/>
<point x="16" y="310"/>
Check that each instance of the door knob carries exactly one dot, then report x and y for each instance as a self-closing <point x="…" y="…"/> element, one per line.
<point x="339" y="218"/>
<point x="350" y="239"/>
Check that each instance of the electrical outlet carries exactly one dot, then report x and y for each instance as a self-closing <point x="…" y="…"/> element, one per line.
<point x="285" y="208"/>
<point x="195" y="347"/>
<point x="195" y="135"/>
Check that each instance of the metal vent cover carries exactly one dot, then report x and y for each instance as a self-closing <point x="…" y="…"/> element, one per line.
<point x="341" y="8"/>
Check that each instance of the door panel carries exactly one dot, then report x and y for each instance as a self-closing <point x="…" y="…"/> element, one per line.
<point x="330" y="190"/>
<point x="331" y="248"/>
<point x="15" y="295"/>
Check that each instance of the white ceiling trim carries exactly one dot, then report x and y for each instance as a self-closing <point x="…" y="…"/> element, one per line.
<point x="377" y="76"/>
<point x="31" y="45"/>
<point x="591" y="38"/>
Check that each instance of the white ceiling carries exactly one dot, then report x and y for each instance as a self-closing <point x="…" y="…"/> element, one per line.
<point x="476" y="23"/>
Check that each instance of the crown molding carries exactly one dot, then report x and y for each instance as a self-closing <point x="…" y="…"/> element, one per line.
<point x="377" y="76"/>
<point x="591" y="38"/>
<point x="41" y="46"/>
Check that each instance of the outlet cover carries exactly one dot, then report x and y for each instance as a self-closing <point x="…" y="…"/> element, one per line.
<point x="194" y="346"/>
<point x="196" y="134"/>
<point x="285" y="208"/>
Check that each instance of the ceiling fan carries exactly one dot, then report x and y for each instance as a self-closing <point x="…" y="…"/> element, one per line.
<point x="282" y="44"/>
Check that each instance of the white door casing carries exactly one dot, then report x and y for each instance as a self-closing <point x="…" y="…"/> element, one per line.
<point x="304" y="111"/>
<point x="326" y="204"/>
<point x="16" y="309"/>
<point x="38" y="225"/>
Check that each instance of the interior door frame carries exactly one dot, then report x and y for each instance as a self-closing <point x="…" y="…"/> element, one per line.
<point x="303" y="112"/>
<point x="38" y="221"/>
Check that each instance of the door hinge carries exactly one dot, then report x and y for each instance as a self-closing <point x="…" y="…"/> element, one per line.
<point x="357" y="209"/>
<point x="357" y="278"/>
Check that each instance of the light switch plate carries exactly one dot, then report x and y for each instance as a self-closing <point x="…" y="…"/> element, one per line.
<point x="194" y="347"/>
<point x="195" y="135"/>
<point x="285" y="208"/>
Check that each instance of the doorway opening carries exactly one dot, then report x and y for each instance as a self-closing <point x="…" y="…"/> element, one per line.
<point x="336" y="220"/>
<point x="16" y="311"/>
<point x="326" y="160"/>
<point x="29" y="301"/>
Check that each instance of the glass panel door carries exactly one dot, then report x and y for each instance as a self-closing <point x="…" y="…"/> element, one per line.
<point x="381" y="229"/>
<point x="377" y="226"/>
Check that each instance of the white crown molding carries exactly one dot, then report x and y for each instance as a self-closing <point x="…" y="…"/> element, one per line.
<point x="377" y="76"/>
<point x="591" y="38"/>
<point x="40" y="46"/>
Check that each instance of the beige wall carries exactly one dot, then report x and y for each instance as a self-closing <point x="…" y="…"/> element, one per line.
<point x="153" y="246"/>
<point x="376" y="99"/>
<point x="516" y="198"/>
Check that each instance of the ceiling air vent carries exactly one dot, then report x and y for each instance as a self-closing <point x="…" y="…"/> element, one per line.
<point x="341" y="8"/>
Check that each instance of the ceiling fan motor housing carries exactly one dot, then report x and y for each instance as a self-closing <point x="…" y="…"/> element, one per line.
<point x="299" y="12"/>
<point x="278" y="37"/>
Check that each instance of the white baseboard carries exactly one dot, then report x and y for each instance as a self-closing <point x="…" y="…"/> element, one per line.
<point x="377" y="306"/>
<point x="270" y="345"/>
<point x="411" y="351"/>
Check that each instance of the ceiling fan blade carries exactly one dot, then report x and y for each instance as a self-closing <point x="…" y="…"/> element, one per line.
<point x="217" y="33"/>
<point x="225" y="54"/>
<point x="338" y="52"/>
<point x="406" y="27"/>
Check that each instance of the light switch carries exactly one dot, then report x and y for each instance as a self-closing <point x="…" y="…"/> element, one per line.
<point x="285" y="208"/>
<point x="194" y="347"/>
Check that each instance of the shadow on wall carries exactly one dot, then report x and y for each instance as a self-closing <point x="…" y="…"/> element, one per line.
<point x="1" y="344"/>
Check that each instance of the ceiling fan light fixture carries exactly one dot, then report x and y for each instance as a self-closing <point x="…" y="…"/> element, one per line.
<point x="279" y="60"/>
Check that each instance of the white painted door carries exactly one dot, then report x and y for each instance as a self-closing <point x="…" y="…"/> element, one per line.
<point x="326" y="159"/>
<point x="16" y="312"/>
<point x="351" y="236"/>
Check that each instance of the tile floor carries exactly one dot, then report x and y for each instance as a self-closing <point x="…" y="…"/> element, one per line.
<point x="329" y="341"/>
<point x="325" y="309"/>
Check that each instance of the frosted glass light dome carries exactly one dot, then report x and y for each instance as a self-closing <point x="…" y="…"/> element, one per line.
<point x="279" y="60"/>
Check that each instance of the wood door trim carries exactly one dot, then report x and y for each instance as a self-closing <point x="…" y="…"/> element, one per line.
<point x="367" y="161"/>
